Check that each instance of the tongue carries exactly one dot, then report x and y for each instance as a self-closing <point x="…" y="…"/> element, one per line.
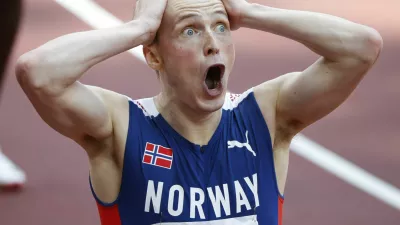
<point x="211" y="84"/>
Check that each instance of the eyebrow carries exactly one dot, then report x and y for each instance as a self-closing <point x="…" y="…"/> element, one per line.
<point x="192" y="14"/>
<point x="186" y="16"/>
<point x="220" y="12"/>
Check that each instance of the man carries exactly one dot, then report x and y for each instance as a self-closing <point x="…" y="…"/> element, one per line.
<point x="194" y="153"/>
<point x="11" y="176"/>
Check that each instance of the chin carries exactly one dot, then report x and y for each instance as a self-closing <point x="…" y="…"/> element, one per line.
<point x="211" y="105"/>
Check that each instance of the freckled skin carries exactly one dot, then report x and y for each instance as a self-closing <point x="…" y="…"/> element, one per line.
<point x="185" y="58"/>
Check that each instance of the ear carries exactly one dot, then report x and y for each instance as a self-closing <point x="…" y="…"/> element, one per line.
<point x="152" y="57"/>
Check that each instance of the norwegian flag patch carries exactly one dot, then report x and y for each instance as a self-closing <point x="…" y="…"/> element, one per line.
<point x="158" y="155"/>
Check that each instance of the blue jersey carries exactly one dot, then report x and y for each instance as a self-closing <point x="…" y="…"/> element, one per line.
<point x="166" y="179"/>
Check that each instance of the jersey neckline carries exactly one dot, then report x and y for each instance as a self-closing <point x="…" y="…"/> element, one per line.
<point x="215" y="136"/>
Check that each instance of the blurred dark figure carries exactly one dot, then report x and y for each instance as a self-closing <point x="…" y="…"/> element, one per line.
<point x="10" y="16"/>
<point x="11" y="176"/>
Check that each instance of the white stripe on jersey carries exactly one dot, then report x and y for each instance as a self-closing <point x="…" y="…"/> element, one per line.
<point x="244" y="220"/>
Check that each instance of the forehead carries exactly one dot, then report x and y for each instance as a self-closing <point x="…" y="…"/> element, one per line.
<point x="177" y="8"/>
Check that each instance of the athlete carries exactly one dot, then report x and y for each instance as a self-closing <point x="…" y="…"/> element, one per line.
<point x="194" y="153"/>
<point x="12" y="177"/>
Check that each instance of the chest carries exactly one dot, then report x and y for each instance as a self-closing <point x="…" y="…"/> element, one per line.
<point x="186" y="182"/>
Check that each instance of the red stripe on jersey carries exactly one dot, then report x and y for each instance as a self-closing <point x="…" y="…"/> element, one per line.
<point x="164" y="150"/>
<point x="147" y="158"/>
<point x="280" y="209"/>
<point x="163" y="163"/>
<point x="109" y="215"/>
<point x="150" y="147"/>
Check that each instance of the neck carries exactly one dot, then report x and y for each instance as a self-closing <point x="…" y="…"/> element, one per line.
<point x="197" y="127"/>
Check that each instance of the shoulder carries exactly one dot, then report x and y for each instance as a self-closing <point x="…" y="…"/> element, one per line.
<point x="268" y="92"/>
<point x="124" y="109"/>
<point x="117" y="106"/>
<point x="266" y="97"/>
<point x="110" y="98"/>
<point x="263" y="95"/>
<point x="116" y="103"/>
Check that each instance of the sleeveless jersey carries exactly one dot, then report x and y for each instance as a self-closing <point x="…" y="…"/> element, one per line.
<point x="166" y="179"/>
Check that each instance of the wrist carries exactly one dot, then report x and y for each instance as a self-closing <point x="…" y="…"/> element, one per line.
<point x="245" y="14"/>
<point x="146" y="29"/>
<point x="251" y="15"/>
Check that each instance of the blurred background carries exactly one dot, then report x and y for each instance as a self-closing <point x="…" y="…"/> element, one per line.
<point x="364" y="130"/>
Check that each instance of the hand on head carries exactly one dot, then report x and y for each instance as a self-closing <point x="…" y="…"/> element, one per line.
<point x="150" y="12"/>
<point x="236" y="11"/>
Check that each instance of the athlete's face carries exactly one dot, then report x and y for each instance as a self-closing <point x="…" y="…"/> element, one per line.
<point x="195" y="52"/>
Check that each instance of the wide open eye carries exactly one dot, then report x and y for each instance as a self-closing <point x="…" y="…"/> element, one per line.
<point x="189" y="32"/>
<point x="221" y="28"/>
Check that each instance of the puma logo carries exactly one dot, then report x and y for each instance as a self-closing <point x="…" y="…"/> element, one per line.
<point x="232" y="144"/>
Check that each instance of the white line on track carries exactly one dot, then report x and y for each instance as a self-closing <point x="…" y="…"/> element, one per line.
<point x="97" y="17"/>
<point x="346" y="170"/>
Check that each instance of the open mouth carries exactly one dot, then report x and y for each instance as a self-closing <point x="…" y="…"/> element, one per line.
<point x="214" y="76"/>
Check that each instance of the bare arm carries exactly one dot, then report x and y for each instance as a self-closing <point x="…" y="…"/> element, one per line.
<point x="49" y="74"/>
<point x="49" y="77"/>
<point x="348" y="51"/>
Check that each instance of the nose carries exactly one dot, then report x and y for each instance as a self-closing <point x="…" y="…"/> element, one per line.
<point x="211" y="46"/>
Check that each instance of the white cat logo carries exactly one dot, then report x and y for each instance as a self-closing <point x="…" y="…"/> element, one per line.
<point x="232" y="144"/>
